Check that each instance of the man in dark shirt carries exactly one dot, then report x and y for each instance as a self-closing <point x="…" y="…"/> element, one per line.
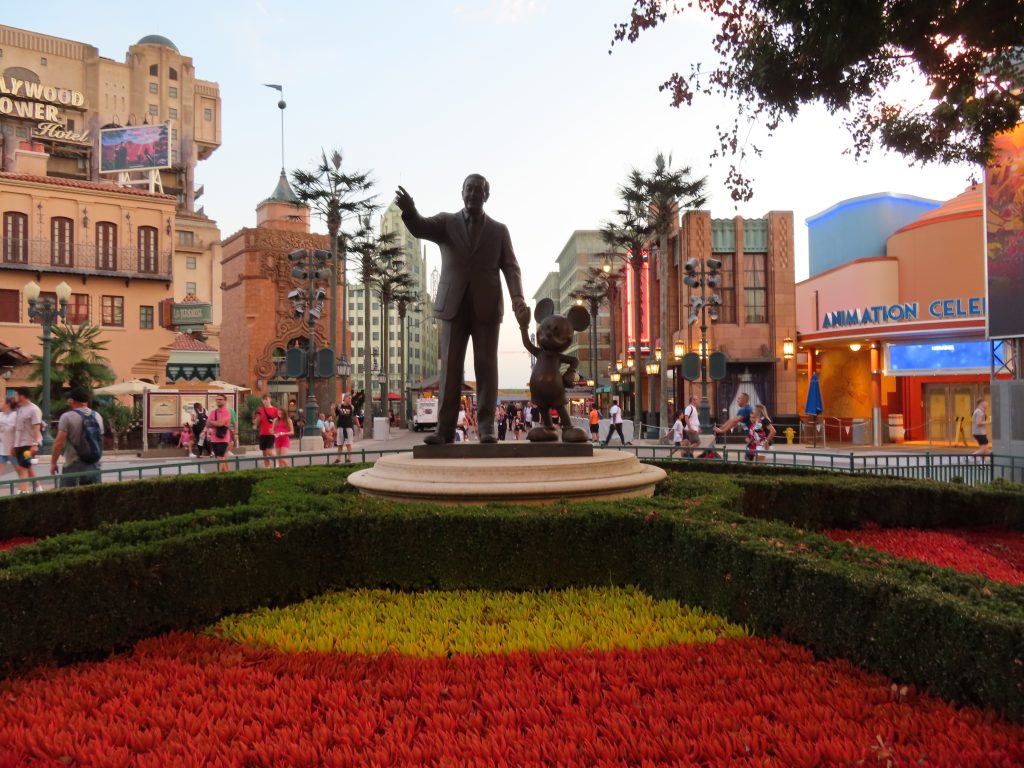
<point x="345" y="415"/>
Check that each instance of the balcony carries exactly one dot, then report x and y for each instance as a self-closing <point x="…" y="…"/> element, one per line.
<point x="85" y="259"/>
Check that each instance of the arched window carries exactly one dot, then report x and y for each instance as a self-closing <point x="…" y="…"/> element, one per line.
<point x="154" y="70"/>
<point x="15" y="237"/>
<point x="106" y="245"/>
<point x="62" y="242"/>
<point x="148" y="250"/>
<point x="278" y="359"/>
<point x="172" y="73"/>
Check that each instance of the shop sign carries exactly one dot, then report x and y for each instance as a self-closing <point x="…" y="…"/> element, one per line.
<point x="191" y="313"/>
<point x="42" y="103"/>
<point x="940" y="309"/>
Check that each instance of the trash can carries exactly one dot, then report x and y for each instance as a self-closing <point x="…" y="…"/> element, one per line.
<point x="381" y="428"/>
<point x="859" y="431"/>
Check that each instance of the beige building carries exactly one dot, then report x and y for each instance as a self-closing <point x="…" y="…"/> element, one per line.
<point x="133" y="245"/>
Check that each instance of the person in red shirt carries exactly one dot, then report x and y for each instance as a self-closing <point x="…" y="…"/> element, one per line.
<point x="218" y="432"/>
<point x="264" y="419"/>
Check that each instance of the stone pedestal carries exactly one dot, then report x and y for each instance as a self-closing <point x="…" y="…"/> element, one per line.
<point x="521" y="480"/>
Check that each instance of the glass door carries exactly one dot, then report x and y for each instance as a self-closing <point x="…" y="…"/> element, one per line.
<point x="936" y="412"/>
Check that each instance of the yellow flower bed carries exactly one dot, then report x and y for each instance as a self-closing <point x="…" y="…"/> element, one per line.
<point x="474" y="622"/>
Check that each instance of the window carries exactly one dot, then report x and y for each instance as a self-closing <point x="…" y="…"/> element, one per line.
<point x="21" y="132"/>
<point x="174" y="156"/>
<point x="106" y="245"/>
<point x="15" y="238"/>
<point x="208" y="115"/>
<point x="376" y="320"/>
<point x="190" y="262"/>
<point x="755" y="290"/>
<point x="186" y="238"/>
<point x="146" y="318"/>
<point x="154" y="88"/>
<point x="62" y="242"/>
<point x="376" y="336"/>
<point x="172" y="113"/>
<point x="172" y="73"/>
<point x="172" y="91"/>
<point x="190" y="288"/>
<point x="148" y="261"/>
<point x="152" y="109"/>
<point x="113" y="311"/>
<point x="78" y="308"/>
<point x="42" y="61"/>
<point x="154" y="70"/>
<point x="174" y="134"/>
<point x="71" y="124"/>
<point x="727" y="290"/>
<point x="10" y="305"/>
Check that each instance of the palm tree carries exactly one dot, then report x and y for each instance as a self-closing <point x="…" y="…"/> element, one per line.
<point x="370" y="249"/>
<point x="394" y="284"/>
<point x="404" y="303"/>
<point x="668" y="190"/>
<point x="628" y="235"/>
<point x="76" y="359"/>
<point x="335" y="195"/>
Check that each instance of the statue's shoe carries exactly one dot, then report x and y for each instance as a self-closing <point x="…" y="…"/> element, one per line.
<point x="488" y="439"/>
<point x="574" y="435"/>
<point x="542" y="435"/>
<point x="436" y="438"/>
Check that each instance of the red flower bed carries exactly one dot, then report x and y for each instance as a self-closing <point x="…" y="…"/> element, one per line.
<point x="12" y="543"/>
<point x="995" y="553"/>
<point x="188" y="700"/>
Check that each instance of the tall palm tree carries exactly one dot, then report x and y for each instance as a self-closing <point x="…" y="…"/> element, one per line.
<point x="336" y="196"/>
<point x="393" y="283"/>
<point x="369" y="249"/>
<point x="628" y="235"/>
<point x="76" y="359"/>
<point x="405" y="303"/>
<point x="669" y="189"/>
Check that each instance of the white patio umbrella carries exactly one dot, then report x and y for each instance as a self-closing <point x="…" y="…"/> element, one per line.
<point x="130" y="387"/>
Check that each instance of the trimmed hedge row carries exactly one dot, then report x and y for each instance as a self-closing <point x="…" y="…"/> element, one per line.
<point x="75" y="509"/>
<point x="301" y="532"/>
<point x="828" y="501"/>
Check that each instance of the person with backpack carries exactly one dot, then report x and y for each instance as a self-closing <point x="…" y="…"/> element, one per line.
<point x="80" y="439"/>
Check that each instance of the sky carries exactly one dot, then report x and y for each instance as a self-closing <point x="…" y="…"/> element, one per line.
<point x="523" y="91"/>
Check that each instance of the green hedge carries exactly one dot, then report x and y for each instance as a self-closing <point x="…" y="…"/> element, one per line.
<point x="302" y="532"/>
<point x="76" y="509"/>
<point x="828" y="501"/>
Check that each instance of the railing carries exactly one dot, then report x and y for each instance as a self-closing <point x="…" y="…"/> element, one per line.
<point x="87" y="258"/>
<point x="942" y="467"/>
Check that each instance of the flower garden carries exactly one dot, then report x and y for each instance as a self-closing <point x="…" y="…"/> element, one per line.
<point x="280" y="619"/>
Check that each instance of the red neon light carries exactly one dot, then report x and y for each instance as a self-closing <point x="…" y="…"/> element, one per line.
<point x="645" y="338"/>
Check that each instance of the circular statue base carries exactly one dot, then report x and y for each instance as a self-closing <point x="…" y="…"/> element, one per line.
<point x="520" y="479"/>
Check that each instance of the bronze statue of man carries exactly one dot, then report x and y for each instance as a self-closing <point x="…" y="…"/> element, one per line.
<point x="474" y="250"/>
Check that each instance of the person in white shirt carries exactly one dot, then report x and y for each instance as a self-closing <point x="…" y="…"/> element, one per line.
<point x="615" y="414"/>
<point x="979" y="422"/>
<point x="7" y="419"/>
<point x="28" y="434"/>
<point x="460" y="425"/>
<point x="691" y="419"/>
<point x="677" y="434"/>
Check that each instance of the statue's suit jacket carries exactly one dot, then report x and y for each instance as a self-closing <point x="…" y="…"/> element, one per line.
<point x="470" y="267"/>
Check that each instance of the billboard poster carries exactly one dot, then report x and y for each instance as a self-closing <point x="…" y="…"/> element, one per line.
<point x="1004" y="234"/>
<point x="163" y="411"/>
<point x="135" y="148"/>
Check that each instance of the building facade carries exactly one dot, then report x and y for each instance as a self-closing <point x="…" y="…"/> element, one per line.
<point x="895" y="328"/>
<point x="130" y="251"/>
<point x="584" y="253"/>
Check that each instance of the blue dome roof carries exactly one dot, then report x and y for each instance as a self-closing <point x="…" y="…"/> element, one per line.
<point x="157" y="40"/>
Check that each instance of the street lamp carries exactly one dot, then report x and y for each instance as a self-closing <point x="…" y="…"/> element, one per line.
<point x="344" y="370"/>
<point x="311" y="265"/>
<point x="652" y="368"/>
<point x="48" y="313"/>
<point x="788" y="351"/>
<point x="704" y="274"/>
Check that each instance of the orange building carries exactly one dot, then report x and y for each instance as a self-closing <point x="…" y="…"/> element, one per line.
<point x="893" y="317"/>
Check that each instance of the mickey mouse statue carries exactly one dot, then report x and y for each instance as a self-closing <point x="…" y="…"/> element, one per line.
<point x="547" y="382"/>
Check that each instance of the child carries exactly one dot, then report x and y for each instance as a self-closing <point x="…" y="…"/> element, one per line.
<point x="677" y="434"/>
<point x="283" y="428"/>
<point x="764" y="431"/>
<point x="185" y="438"/>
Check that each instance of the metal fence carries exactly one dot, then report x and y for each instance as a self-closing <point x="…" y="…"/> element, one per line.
<point x="943" y="467"/>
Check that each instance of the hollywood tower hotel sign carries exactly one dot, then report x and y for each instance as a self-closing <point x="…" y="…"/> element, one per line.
<point x="46" y="104"/>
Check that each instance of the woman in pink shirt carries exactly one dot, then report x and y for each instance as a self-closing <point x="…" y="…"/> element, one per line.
<point x="283" y="428"/>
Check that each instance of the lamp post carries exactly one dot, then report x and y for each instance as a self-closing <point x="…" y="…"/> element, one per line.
<point x="344" y="370"/>
<point x="380" y="377"/>
<point x="48" y="313"/>
<point x="703" y="274"/>
<point x="311" y="266"/>
<point x="652" y="369"/>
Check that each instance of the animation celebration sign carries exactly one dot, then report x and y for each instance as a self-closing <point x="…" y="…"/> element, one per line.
<point x="1004" y="225"/>
<point x="135" y="148"/>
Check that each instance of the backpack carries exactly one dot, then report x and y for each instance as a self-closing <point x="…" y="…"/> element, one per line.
<point x="90" y="450"/>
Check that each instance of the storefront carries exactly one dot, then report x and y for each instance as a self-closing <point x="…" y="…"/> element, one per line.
<point x="895" y="324"/>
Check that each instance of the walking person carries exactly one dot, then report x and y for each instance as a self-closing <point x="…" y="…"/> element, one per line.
<point x="744" y="416"/>
<point x="764" y="430"/>
<point x="595" y="423"/>
<point x="199" y="419"/>
<point x="28" y="434"/>
<point x="7" y="420"/>
<point x="80" y="438"/>
<point x="218" y="432"/>
<point x="691" y="425"/>
<point x="263" y="420"/>
<point x="283" y="427"/>
<point x="615" y="414"/>
<point x="677" y="434"/>
<point x="346" y="415"/>
<point x="979" y="422"/>
<point x="502" y="419"/>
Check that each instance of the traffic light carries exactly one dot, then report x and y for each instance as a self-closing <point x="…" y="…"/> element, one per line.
<point x="712" y="277"/>
<point x="322" y="255"/>
<point x="691" y="278"/>
<point x="299" y="255"/>
<point x="295" y="362"/>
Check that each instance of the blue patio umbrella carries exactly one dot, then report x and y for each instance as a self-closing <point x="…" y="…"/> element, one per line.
<point x="814" y="405"/>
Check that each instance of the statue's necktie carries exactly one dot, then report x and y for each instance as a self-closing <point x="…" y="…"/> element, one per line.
<point x="474" y="229"/>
